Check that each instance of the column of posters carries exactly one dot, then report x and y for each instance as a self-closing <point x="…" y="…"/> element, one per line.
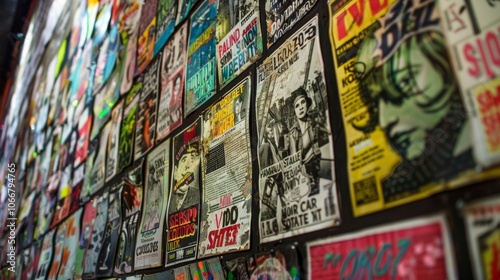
<point x="407" y="134"/>
<point x="239" y="38"/>
<point x="184" y="199"/>
<point x="297" y="188"/>
<point x="472" y="29"/>
<point x="150" y="233"/>
<point x="201" y="70"/>
<point x="227" y="174"/>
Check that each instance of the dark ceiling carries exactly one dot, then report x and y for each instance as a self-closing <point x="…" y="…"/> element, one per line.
<point x="12" y="18"/>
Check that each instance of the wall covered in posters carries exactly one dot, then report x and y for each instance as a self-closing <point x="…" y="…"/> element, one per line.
<point x="251" y="139"/>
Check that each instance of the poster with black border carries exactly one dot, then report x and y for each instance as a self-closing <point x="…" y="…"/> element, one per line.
<point x="201" y="62"/>
<point x="45" y="256"/>
<point x="127" y="126"/>
<point x="282" y="15"/>
<point x="227" y="174"/>
<point x="173" y="70"/>
<point x="239" y="38"/>
<point x="132" y="192"/>
<point x="184" y="199"/>
<point x="70" y="245"/>
<point x="165" y="22"/>
<point x="150" y="233"/>
<point x="183" y="9"/>
<point x="113" y="141"/>
<point x="482" y="222"/>
<point x="146" y="119"/>
<point x="297" y="186"/>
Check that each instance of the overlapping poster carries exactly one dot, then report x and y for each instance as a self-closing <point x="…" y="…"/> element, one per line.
<point x="239" y="38"/>
<point x="127" y="126"/>
<point x="58" y="250"/>
<point x="415" y="249"/>
<point x="297" y="185"/>
<point x="227" y="174"/>
<point x="45" y="256"/>
<point x="70" y="245"/>
<point x="201" y="66"/>
<point x="82" y="145"/>
<point x="172" y="83"/>
<point x="183" y="9"/>
<point x="184" y="199"/>
<point x="88" y="220"/>
<point x="150" y="233"/>
<point x="113" y="142"/>
<point x="472" y="29"/>
<point x="482" y="222"/>
<point x="129" y="34"/>
<point x="146" y="120"/>
<point x="98" y="170"/>
<point x="132" y="192"/>
<point x="407" y="133"/>
<point x="282" y="15"/>
<point x="282" y="263"/>
<point x="147" y="34"/>
<point x="165" y="22"/>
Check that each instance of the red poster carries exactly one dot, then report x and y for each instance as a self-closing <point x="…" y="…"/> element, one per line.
<point x="416" y="249"/>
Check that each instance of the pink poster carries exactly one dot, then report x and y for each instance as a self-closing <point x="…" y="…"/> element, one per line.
<point x="415" y="249"/>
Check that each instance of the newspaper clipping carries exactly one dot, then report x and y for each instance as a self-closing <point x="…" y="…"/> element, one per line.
<point x="227" y="174"/>
<point x="184" y="204"/>
<point x="295" y="148"/>
<point x="239" y="38"/>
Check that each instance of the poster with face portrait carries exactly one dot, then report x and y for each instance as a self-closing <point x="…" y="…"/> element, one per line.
<point x="239" y="39"/>
<point x="70" y="245"/>
<point x="147" y="34"/>
<point x="132" y="192"/>
<point x="172" y="83"/>
<point x="165" y="22"/>
<point x="129" y="34"/>
<point x="45" y="256"/>
<point x="127" y="126"/>
<point x="282" y="15"/>
<point x="227" y="174"/>
<point x="482" y="221"/>
<point x="407" y="133"/>
<point x="150" y="233"/>
<point x="472" y="30"/>
<point x="201" y="71"/>
<point x="414" y="249"/>
<point x="113" y="141"/>
<point x="297" y="185"/>
<point x="184" y="199"/>
<point x="183" y="9"/>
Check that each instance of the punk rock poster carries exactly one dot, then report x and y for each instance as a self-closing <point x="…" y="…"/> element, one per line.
<point x="407" y="133"/>
<point x="297" y="186"/>
<point x="201" y="71"/>
<point x="129" y="34"/>
<point x="282" y="15"/>
<point x="128" y="124"/>
<point x="88" y="220"/>
<point x="482" y="222"/>
<point x="184" y="199"/>
<point x="227" y="174"/>
<point x="147" y="34"/>
<point x="146" y="120"/>
<point x="45" y="256"/>
<point x="415" y="249"/>
<point x="70" y="245"/>
<point x="150" y="233"/>
<point x="172" y="83"/>
<point x="106" y="258"/>
<point x="472" y="29"/>
<point x="132" y="191"/>
<point x="183" y="9"/>
<point x="113" y="140"/>
<point x="165" y="22"/>
<point x="239" y="38"/>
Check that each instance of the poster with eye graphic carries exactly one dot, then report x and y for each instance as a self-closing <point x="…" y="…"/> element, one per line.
<point x="417" y="249"/>
<point x="45" y="256"/>
<point x="106" y="258"/>
<point x="227" y="174"/>
<point x="88" y="222"/>
<point x="113" y="141"/>
<point x="127" y="126"/>
<point x="132" y="192"/>
<point x="150" y="233"/>
<point x="297" y="185"/>
<point x="147" y="34"/>
<point x="472" y="31"/>
<point x="146" y="120"/>
<point x="58" y="250"/>
<point x="95" y="242"/>
<point x="172" y="83"/>
<point x="184" y="199"/>
<point x="239" y="38"/>
<point x="201" y="70"/>
<point x="70" y="245"/>
<point x="282" y="15"/>
<point x="407" y="132"/>
<point x="165" y="22"/>
<point x="183" y="9"/>
<point x="129" y="34"/>
<point x="483" y="231"/>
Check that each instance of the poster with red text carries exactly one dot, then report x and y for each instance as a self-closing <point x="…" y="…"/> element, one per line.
<point x="414" y="249"/>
